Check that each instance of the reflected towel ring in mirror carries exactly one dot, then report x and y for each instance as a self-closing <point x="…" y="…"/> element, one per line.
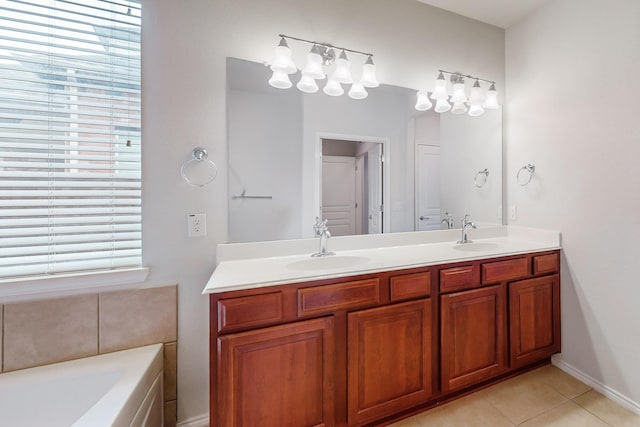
<point x="482" y="181"/>
<point x="531" y="169"/>
<point x="199" y="155"/>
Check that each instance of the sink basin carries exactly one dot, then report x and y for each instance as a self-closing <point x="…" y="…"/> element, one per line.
<point x="476" y="247"/>
<point x="327" y="263"/>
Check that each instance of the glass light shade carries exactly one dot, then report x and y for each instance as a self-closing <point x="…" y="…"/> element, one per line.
<point x="423" y="103"/>
<point x="491" y="101"/>
<point x="442" y="106"/>
<point x="476" y="110"/>
<point x="369" y="78"/>
<point x="333" y="88"/>
<point x="280" y="79"/>
<point x="358" y="91"/>
<point x="459" y="94"/>
<point x="459" y="108"/>
<point x="440" y="89"/>
<point x="313" y="68"/>
<point x="476" y="97"/>
<point x="282" y="60"/>
<point x="307" y="84"/>
<point x="342" y="73"/>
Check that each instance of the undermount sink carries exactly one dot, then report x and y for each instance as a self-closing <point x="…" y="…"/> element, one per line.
<point x="476" y="247"/>
<point x="328" y="262"/>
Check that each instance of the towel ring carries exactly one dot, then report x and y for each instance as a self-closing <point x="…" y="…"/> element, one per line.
<point x="198" y="155"/>
<point x="484" y="172"/>
<point x="531" y="169"/>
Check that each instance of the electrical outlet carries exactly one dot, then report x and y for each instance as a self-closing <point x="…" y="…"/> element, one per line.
<point x="513" y="213"/>
<point x="197" y="225"/>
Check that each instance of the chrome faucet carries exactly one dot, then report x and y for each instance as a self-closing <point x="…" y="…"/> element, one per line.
<point x="322" y="231"/>
<point x="448" y="220"/>
<point x="466" y="223"/>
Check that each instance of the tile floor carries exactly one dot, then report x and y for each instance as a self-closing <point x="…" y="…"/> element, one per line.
<point x="544" y="397"/>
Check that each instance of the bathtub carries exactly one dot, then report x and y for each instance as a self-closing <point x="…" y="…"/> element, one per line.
<point x="115" y="389"/>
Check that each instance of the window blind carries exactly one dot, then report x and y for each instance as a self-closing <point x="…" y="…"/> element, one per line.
<point x="70" y="130"/>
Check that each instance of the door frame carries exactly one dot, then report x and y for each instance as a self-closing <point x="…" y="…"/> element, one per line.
<point x="386" y="181"/>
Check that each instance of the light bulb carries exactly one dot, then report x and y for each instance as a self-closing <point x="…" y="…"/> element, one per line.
<point x="307" y="84"/>
<point x="313" y="68"/>
<point x="358" y="91"/>
<point x="442" y="106"/>
<point x="491" y="102"/>
<point x="459" y="108"/>
<point x="333" y="88"/>
<point x="423" y="103"/>
<point x="342" y="73"/>
<point x="476" y="110"/>
<point x="282" y="59"/>
<point x="280" y="80"/>
<point x="440" y="88"/>
<point x="459" y="94"/>
<point x="369" y="78"/>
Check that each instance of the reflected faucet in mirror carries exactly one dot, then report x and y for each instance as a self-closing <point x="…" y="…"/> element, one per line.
<point x="448" y="220"/>
<point x="465" y="224"/>
<point x="322" y="231"/>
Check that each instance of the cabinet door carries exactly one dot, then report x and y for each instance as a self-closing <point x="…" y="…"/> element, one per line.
<point x="279" y="376"/>
<point x="389" y="360"/>
<point x="534" y="310"/>
<point x="473" y="336"/>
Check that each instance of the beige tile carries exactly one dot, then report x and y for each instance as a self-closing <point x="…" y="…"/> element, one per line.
<point x="559" y="380"/>
<point x="48" y="331"/>
<point x="607" y="410"/>
<point x="522" y="398"/>
<point x="170" y="414"/>
<point x="407" y="422"/>
<point x="470" y="411"/>
<point x="1" y="340"/>
<point x="170" y="372"/>
<point x="566" y="415"/>
<point x="137" y="317"/>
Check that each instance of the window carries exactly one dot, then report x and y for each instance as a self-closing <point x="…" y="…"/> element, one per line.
<point x="69" y="136"/>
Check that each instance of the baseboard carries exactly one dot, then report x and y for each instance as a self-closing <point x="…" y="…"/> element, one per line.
<point x="199" y="421"/>
<point x="612" y="394"/>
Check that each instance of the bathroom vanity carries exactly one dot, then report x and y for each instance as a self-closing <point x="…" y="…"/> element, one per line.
<point x="342" y="341"/>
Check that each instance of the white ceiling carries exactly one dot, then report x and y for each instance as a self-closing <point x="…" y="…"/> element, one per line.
<point x="501" y="13"/>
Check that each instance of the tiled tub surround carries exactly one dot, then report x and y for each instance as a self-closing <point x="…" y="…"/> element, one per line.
<point x="42" y="332"/>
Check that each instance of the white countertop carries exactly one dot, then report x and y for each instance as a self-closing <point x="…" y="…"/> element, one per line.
<point x="263" y="264"/>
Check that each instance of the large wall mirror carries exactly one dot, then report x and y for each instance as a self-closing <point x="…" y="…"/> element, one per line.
<point x="368" y="166"/>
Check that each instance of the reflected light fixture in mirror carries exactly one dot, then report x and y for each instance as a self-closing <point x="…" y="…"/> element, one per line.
<point x="423" y="103"/>
<point x="322" y="54"/>
<point x="477" y="102"/>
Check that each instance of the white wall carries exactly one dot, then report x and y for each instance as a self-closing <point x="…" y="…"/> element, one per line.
<point x="573" y="107"/>
<point x="185" y="45"/>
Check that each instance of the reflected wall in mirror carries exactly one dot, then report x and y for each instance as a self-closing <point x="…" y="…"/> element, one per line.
<point x="416" y="168"/>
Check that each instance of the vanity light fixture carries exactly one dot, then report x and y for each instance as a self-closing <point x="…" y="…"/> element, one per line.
<point x="322" y="54"/>
<point x="477" y="102"/>
<point x="423" y="103"/>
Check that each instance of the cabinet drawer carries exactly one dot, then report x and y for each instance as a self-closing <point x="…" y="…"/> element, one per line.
<point x="546" y="264"/>
<point x="502" y="271"/>
<point x="248" y="311"/>
<point x="458" y="278"/>
<point x="410" y="286"/>
<point x="328" y="298"/>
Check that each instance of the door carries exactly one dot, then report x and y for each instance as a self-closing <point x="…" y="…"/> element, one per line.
<point x="428" y="187"/>
<point x="374" y="185"/>
<point x="279" y="376"/>
<point x="338" y="202"/>
<point x="389" y="360"/>
<point x="473" y="336"/>
<point x="534" y="315"/>
<point x="360" y="188"/>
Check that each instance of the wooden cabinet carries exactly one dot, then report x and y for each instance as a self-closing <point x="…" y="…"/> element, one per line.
<point x="534" y="314"/>
<point x="473" y="336"/>
<point x="389" y="360"/>
<point x="361" y="350"/>
<point x="278" y="376"/>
